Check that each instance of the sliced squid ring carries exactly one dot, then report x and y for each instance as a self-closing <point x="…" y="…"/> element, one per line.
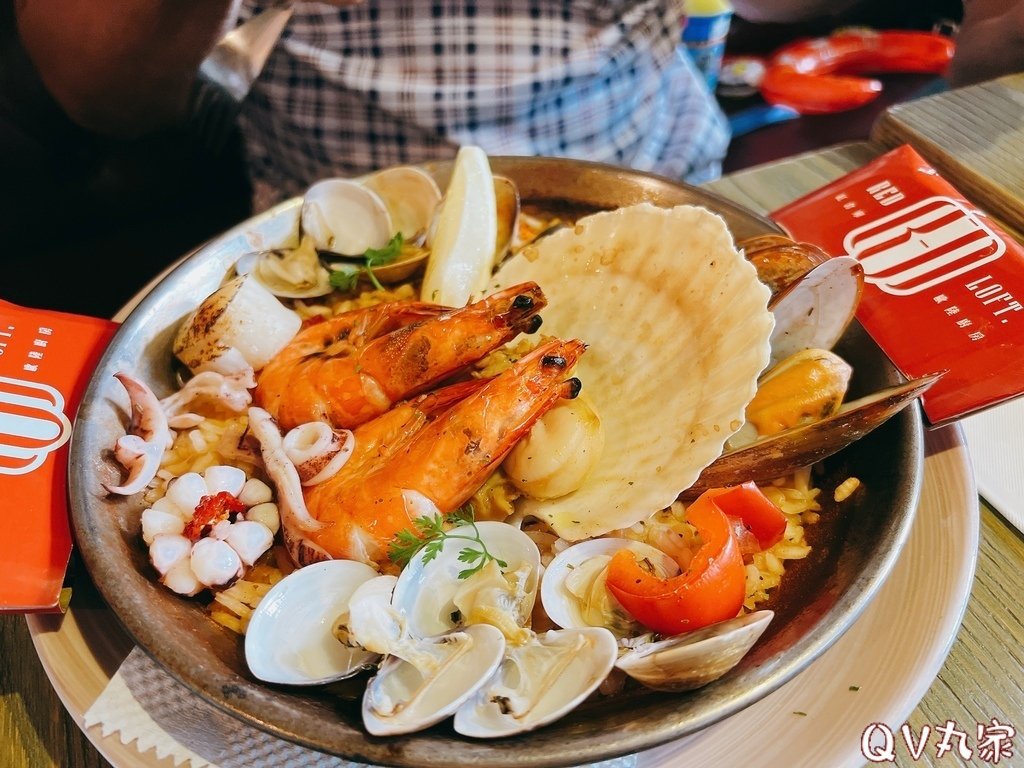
<point x="317" y="451"/>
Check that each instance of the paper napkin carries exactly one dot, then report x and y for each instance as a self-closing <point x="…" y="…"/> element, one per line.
<point x="995" y="439"/>
<point x="144" y="705"/>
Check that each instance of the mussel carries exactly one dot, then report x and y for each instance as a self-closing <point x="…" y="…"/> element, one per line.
<point x="812" y="311"/>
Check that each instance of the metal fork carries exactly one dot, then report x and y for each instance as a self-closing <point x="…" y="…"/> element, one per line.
<point x="226" y="75"/>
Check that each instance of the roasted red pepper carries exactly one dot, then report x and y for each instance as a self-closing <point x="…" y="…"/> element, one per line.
<point x="713" y="587"/>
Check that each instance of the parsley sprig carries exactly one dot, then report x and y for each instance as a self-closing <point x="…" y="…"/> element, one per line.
<point x="345" y="276"/>
<point x="431" y="533"/>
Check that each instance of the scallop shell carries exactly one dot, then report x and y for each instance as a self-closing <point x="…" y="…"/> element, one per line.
<point x="678" y="330"/>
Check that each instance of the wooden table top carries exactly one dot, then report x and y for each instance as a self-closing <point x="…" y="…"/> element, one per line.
<point x="983" y="676"/>
<point x="972" y="136"/>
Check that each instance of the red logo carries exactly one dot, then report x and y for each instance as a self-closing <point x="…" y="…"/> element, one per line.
<point x="32" y="424"/>
<point x="922" y="245"/>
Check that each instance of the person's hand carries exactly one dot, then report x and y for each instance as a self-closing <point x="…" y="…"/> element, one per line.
<point x="990" y="42"/>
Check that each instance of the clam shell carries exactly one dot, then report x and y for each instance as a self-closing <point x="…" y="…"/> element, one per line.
<point x="345" y="217"/>
<point x="276" y="233"/>
<point x="276" y="271"/>
<point x="310" y="599"/>
<point x="539" y="683"/>
<point x="814" y="311"/>
<point x="564" y="609"/>
<point x="507" y="204"/>
<point x="694" y="659"/>
<point x="425" y="592"/>
<point x="411" y="196"/>
<point x="678" y="328"/>
<point x="422" y="699"/>
<point x="779" y="260"/>
<point x="402" y="269"/>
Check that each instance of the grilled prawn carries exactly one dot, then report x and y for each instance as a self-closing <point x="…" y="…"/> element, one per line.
<point x="439" y="462"/>
<point x="356" y="365"/>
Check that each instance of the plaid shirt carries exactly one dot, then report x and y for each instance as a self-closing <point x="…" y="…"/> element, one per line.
<point x="348" y="90"/>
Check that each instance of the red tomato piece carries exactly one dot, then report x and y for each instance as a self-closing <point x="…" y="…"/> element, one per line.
<point x="710" y="590"/>
<point x="759" y="514"/>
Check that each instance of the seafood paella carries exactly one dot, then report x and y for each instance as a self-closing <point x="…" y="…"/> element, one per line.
<point x="489" y="461"/>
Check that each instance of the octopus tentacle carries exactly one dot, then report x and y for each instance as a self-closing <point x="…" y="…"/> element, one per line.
<point x="148" y="437"/>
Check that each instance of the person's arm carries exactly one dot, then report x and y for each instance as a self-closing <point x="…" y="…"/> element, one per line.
<point x="990" y="42"/>
<point x="120" y="67"/>
<point x="787" y="11"/>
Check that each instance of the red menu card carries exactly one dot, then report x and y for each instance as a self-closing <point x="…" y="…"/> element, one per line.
<point x="46" y="359"/>
<point x="944" y="284"/>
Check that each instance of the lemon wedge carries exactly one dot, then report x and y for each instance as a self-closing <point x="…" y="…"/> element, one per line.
<point x="462" y="245"/>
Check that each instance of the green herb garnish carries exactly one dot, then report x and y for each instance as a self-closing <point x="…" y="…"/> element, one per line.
<point x="376" y="257"/>
<point x="344" y="279"/>
<point x="430" y="535"/>
<point x="345" y="276"/>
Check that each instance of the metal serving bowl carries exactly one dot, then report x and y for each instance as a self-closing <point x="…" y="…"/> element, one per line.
<point x="854" y="547"/>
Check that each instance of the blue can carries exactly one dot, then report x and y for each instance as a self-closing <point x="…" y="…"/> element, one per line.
<point x="704" y="39"/>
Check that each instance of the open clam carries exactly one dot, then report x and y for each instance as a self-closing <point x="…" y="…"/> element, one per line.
<point x="410" y="195"/>
<point x="538" y="682"/>
<point x="296" y="273"/>
<point x="573" y="594"/>
<point x="436" y="597"/>
<point x="345" y="217"/>
<point x="573" y="590"/>
<point x="311" y="598"/>
<point x="694" y="659"/>
<point x="410" y="694"/>
<point x="342" y="218"/>
<point x="422" y="680"/>
<point x="541" y="677"/>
